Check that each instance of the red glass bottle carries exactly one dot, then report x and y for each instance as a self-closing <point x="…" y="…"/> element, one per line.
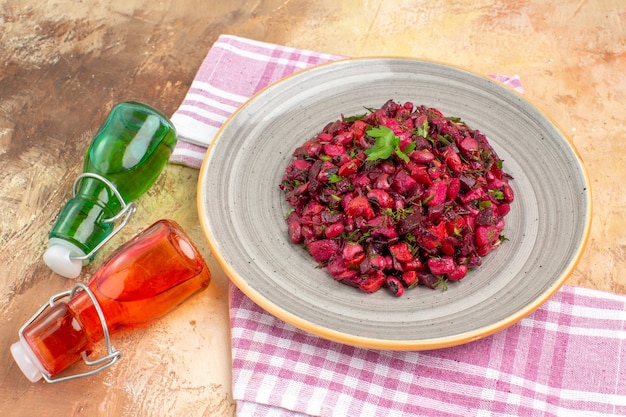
<point x="142" y="280"/>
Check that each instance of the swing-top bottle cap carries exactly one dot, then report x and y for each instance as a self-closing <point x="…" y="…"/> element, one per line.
<point x="26" y="360"/>
<point x="61" y="258"/>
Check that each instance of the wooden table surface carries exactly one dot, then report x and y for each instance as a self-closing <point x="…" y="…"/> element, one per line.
<point x="64" y="63"/>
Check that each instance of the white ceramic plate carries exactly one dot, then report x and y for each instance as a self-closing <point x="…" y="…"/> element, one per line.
<point x="242" y="209"/>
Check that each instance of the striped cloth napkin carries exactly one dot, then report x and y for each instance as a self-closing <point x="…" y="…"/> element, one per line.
<point x="234" y="69"/>
<point x="568" y="358"/>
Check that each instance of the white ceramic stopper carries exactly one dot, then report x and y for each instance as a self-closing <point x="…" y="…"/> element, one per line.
<point x="26" y="360"/>
<point x="58" y="258"/>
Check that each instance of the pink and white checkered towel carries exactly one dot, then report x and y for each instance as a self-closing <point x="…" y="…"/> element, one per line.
<point x="568" y="358"/>
<point x="234" y="69"/>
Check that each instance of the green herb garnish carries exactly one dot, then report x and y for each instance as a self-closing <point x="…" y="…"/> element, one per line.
<point x="423" y="130"/>
<point x="334" y="178"/>
<point x="497" y="194"/>
<point x="354" y="118"/>
<point x="387" y="143"/>
<point x="442" y="283"/>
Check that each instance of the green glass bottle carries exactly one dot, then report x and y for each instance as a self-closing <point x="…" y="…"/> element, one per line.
<point x="124" y="159"/>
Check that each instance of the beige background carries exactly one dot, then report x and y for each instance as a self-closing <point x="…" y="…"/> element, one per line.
<point x="64" y="63"/>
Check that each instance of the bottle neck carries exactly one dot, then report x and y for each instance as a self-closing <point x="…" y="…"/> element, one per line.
<point x="81" y="222"/>
<point x="99" y="193"/>
<point x="57" y="338"/>
<point x="62" y="335"/>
